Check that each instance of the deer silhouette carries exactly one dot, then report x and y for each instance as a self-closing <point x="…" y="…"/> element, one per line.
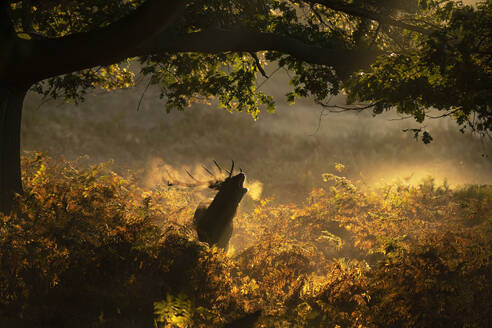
<point x="214" y="221"/>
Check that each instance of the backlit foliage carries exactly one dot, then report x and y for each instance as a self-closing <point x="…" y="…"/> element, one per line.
<point x="86" y="247"/>
<point x="442" y="61"/>
<point x="448" y="70"/>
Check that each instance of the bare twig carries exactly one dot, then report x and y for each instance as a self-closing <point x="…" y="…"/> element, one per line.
<point x="43" y="101"/>
<point x="143" y="94"/>
<point x="320" y="18"/>
<point x="442" y="115"/>
<point x="266" y="79"/>
<point x="365" y="13"/>
<point x="258" y="64"/>
<point x="400" y="118"/>
<point x="345" y="108"/>
<point x="321" y="114"/>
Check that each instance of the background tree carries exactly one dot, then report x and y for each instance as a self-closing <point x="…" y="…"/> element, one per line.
<point x="410" y="55"/>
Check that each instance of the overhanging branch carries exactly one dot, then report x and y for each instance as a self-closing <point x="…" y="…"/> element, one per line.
<point x="40" y="59"/>
<point x="121" y="40"/>
<point x="344" y="61"/>
<point x="217" y="41"/>
<point x="143" y="33"/>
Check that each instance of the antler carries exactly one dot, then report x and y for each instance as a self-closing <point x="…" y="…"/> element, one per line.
<point x="191" y="175"/>
<point x="221" y="169"/>
<point x="208" y="171"/>
<point x="217" y="164"/>
<point x="190" y="185"/>
<point x="232" y="169"/>
<point x="214" y="183"/>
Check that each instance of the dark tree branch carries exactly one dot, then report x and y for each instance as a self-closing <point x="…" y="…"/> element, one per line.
<point x="338" y="108"/>
<point x="143" y="94"/>
<point x="6" y="29"/>
<point x="218" y="40"/>
<point x="258" y="64"/>
<point x="143" y="33"/>
<point x="40" y="59"/>
<point x="362" y="12"/>
<point x="345" y="61"/>
<point x="30" y="61"/>
<point x="8" y="40"/>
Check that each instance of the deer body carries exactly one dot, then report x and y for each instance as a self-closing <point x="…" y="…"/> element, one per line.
<point x="214" y="222"/>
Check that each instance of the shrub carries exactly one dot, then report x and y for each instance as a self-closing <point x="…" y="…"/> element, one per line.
<point x="85" y="247"/>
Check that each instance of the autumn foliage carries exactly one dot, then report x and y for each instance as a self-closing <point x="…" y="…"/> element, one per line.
<point x="86" y="247"/>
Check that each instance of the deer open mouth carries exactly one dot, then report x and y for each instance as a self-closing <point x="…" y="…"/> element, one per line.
<point x="240" y="181"/>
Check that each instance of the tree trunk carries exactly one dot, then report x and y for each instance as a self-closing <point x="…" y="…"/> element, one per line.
<point x="11" y="101"/>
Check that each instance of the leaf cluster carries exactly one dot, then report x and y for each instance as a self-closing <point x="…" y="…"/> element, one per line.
<point x="447" y="73"/>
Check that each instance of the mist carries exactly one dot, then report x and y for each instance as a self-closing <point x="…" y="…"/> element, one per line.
<point x="283" y="154"/>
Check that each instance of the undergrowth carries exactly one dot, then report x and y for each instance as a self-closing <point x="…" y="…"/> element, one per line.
<point x="85" y="247"/>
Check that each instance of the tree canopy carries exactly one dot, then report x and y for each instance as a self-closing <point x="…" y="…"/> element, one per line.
<point x="415" y="56"/>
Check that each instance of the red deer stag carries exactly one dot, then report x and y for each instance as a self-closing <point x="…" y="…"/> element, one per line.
<point x="213" y="221"/>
